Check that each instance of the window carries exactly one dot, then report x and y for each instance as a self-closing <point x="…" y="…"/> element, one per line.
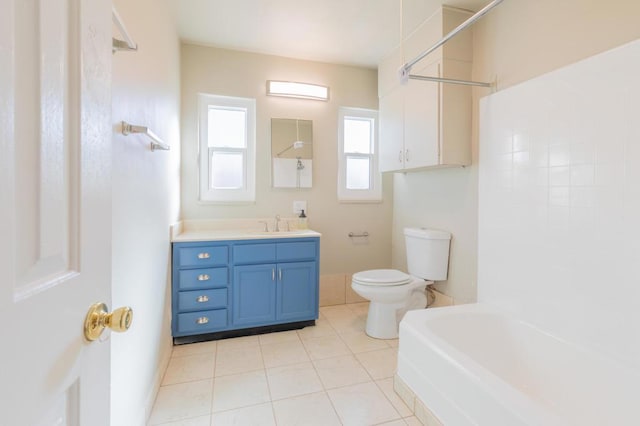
<point x="227" y="148"/>
<point x="358" y="176"/>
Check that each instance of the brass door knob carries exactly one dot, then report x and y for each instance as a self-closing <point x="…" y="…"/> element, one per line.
<point x="98" y="318"/>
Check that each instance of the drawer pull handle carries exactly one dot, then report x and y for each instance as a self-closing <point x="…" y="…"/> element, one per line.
<point x="204" y="255"/>
<point x="202" y="320"/>
<point x="202" y="299"/>
<point x="203" y="277"/>
<point x="279" y="274"/>
<point x="273" y="275"/>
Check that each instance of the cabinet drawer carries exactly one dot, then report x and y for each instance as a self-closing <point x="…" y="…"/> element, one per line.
<point x="254" y="253"/>
<point x="303" y="250"/>
<point x="203" y="256"/>
<point x="192" y="279"/>
<point x="202" y="299"/>
<point x="202" y="321"/>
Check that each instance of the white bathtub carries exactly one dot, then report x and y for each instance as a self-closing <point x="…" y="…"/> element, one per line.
<point x="474" y="365"/>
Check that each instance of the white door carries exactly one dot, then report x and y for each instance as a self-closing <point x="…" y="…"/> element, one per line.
<point x="55" y="209"/>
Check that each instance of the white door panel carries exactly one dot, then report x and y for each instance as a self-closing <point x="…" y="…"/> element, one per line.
<point x="55" y="204"/>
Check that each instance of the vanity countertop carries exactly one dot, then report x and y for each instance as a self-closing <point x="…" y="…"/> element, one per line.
<point x="242" y="229"/>
<point x="226" y="234"/>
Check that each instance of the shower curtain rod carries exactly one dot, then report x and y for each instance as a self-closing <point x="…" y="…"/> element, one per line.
<point x="450" y="80"/>
<point x="405" y="70"/>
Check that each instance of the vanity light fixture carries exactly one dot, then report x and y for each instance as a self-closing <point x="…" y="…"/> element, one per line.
<point x="291" y="89"/>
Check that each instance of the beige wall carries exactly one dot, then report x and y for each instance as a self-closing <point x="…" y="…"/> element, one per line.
<point x="232" y="73"/>
<point x="146" y="91"/>
<point x="518" y="40"/>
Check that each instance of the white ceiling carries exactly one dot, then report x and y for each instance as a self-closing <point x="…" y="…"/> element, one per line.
<point x="355" y="32"/>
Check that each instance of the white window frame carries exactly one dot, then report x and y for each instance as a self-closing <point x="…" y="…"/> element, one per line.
<point x="374" y="194"/>
<point x="247" y="193"/>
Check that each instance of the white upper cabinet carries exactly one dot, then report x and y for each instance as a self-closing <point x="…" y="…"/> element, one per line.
<point x="425" y="124"/>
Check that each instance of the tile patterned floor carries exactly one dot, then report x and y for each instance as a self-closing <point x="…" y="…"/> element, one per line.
<point x="330" y="374"/>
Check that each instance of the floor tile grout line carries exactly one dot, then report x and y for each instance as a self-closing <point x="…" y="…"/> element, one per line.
<point x="340" y="335"/>
<point x="310" y="361"/>
<point x="244" y="372"/>
<point x="179" y="420"/>
<point x="162" y="383"/>
<point x="249" y="405"/>
<point x="243" y="407"/>
<point x="213" y="384"/>
<point x="334" y="407"/>
<point x="324" y="388"/>
<point x="187" y="382"/>
<point x="300" y="339"/>
<point x="266" y="378"/>
<point x="239" y="372"/>
<point x="388" y="399"/>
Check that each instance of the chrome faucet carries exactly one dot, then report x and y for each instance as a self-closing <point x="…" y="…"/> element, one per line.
<point x="276" y="227"/>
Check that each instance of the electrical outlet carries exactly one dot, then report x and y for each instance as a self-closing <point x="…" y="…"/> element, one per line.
<point x="298" y="206"/>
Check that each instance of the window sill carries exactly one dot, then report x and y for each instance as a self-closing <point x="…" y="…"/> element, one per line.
<point x="224" y="203"/>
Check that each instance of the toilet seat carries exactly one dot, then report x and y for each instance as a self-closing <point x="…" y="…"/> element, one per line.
<point x="382" y="278"/>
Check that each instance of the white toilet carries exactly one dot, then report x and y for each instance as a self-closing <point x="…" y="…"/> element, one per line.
<point x="392" y="293"/>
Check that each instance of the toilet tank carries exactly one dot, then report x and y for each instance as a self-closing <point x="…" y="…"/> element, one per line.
<point x="427" y="253"/>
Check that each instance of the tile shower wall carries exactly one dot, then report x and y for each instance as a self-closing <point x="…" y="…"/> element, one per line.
<point x="559" y="202"/>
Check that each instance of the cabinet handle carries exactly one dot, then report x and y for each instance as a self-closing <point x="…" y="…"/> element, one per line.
<point x="273" y="274"/>
<point x="406" y="155"/>
<point x="202" y="320"/>
<point x="202" y="299"/>
<point x="204" y="255"/>
<point x="203" y="277"/>
<point x="279" y="274"/>
<point x="400" y="156"/>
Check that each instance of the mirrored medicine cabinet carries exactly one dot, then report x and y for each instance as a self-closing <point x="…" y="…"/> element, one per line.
<point x="291" y="153"/>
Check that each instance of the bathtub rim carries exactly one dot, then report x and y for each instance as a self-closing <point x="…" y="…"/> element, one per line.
<point x="502" y="393"/>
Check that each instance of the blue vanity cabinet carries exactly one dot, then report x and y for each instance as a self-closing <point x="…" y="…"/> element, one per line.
<point x="227" y="286"/>
<point x="200" y="288"/>
<point x="254" y="294"/>
<point x="275" y="282"/>
<point x="296" y="291"/>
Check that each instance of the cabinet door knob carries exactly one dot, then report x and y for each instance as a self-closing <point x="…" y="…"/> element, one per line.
<point x="279" y="274"/>
<point x="400" y="156"/>
<point x="273" y="274"/>
<point x="406" y="155"/>
<point x="202" y="299"/>
<point x="202" y="320"/>
<point x="204" y="255"/>
<point x="203" y="277"/>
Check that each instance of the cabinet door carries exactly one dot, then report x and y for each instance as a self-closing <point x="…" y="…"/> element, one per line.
<point x="422" y="120"/>
<point x="390" y="144"/>
<point x="297" y="295"/>
<point x="254" y="294"/>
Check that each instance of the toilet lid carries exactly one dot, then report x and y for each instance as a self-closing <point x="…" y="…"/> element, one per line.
<point x="382" y="277"/>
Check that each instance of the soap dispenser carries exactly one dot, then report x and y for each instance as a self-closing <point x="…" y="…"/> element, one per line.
<point x="302" y="220"/>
